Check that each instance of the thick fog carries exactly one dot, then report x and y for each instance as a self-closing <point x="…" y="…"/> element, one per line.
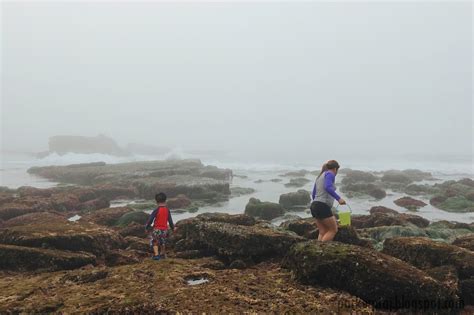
<point x="267" y="79"/>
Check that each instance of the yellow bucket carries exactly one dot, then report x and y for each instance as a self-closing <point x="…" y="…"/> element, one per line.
<point x="344" y="218"/>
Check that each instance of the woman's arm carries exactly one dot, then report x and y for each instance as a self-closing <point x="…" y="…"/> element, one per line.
<point x="329" y="179"/>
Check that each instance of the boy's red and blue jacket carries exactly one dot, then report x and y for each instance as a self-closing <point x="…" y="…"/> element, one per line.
<point x="160" y="218"/>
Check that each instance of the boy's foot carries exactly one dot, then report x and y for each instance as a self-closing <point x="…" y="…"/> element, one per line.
<point x="158" y="257"/>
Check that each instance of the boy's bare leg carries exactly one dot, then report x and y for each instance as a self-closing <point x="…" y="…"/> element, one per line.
<point x="163" y="250"/>
<point x="155" y="250"/>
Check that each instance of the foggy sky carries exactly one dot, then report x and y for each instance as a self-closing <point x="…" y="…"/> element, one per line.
<point x="299" y="78"/>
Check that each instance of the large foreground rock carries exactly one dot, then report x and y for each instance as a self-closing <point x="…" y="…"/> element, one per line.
<point x="257" y="242"/>
<point x="68" y="236"/>
<point x="20" y="258"/>
<point x="378" y="279"/>
<point x="425" y="253"/>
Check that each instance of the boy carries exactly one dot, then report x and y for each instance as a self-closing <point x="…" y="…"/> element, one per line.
<point x="160" y="218"/>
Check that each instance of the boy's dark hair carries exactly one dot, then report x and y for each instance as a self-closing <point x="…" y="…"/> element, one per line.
<point x="160" y="197"/>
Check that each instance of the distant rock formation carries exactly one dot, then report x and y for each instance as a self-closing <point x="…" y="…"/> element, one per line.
<point x="99" y="144"/>
<point x="86" y="145"/>
<point x="138" y="148"/>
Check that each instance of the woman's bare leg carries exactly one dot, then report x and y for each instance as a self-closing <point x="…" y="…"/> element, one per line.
<point x="331" y="228"/>
<point x="321" y="229"/>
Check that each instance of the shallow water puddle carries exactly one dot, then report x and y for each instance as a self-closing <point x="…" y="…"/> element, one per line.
<point x="196" y="279"/>
<point x="74" y="218"/>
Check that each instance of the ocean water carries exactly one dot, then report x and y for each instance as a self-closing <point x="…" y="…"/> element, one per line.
<point x="14" y="166"/>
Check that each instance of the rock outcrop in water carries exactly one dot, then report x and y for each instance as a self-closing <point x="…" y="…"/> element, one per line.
<point x="409" y="203"/>
<point x="454" y="196"/>
<point x="358" y="184"/>
<point x="144" y="179"/>
<point x="263" y="209"/>
<point x="298" y="199"/>
<point x="297" y="182"/>
<point x="84" y="145"/>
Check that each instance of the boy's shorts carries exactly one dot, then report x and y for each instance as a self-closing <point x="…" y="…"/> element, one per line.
<point x="160" y="236"/>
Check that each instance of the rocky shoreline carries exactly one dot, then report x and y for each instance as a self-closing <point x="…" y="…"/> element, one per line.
<point x="385" y="262"/>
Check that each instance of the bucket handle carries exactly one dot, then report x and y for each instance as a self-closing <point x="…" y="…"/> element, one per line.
<point x="350" y="209"/>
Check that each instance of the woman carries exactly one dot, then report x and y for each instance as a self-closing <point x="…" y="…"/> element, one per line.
<point x="324" y="194"/>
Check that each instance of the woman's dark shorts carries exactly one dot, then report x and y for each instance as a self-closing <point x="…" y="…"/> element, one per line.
<point x="320" y="210"/>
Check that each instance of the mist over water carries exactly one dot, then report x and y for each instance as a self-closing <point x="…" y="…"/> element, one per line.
<point x="265" y="83"/>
